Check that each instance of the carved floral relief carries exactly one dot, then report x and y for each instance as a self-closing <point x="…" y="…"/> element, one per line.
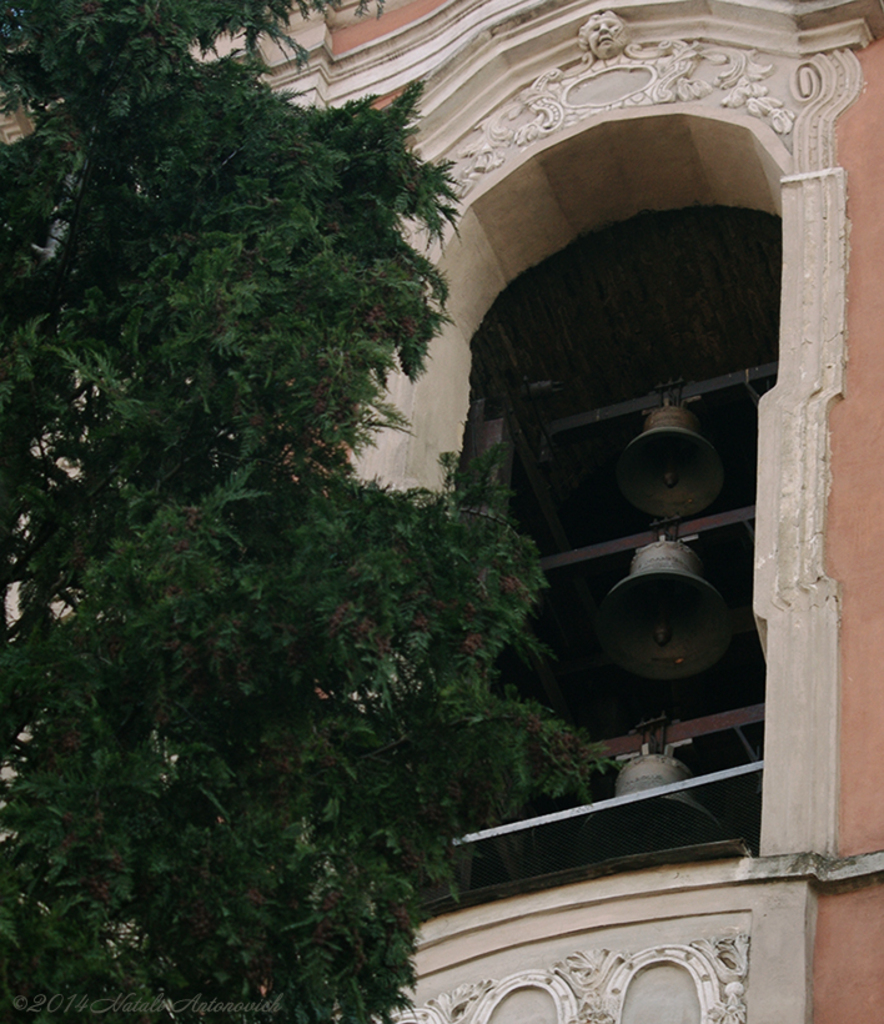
<point x="615" y="74"/>
<point x="589" y="987"/>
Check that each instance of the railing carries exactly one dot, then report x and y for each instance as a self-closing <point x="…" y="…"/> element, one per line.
<point x="718" y="811"/>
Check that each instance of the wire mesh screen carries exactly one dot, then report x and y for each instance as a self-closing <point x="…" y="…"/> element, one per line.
<point x="728" y="807"/>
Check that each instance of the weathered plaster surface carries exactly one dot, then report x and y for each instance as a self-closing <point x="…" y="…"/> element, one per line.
<point x="643" y="914"/>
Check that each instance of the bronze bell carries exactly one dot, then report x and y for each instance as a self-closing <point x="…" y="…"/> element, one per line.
<point x="670" y="821"/>
<point x="670" y="469"/>
<point x="664" y="621"/>
<point x="648" y="771"/>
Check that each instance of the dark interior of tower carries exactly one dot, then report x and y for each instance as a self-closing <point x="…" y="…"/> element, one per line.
<point x="678" y="307"/>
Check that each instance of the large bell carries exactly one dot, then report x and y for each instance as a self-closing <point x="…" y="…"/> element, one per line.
<point x="664" y="621"/>
<point x="670" y="469"/>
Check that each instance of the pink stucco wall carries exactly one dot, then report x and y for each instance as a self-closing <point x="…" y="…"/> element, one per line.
<point x="856" y="509"/>
<point x="369" y="27"/>
<point x="848" y="982"/>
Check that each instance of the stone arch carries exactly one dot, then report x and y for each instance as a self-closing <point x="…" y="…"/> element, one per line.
<point x="713" y="984"/>
<point x="476" y="1003"/>
<point x="544" y="986"/>
<point x="591" y="985"/>
<point x="531" y="197"/>
<point x="534" y="206"/>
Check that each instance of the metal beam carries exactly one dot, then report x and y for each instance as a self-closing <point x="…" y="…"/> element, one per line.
<point x="678" y="731"/>
<point x="738" y="378"/>
<point x="481" y="434"/>
<point x="639" y="540"/>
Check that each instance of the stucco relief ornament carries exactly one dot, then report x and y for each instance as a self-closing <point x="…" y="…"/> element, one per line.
<point x="458" y="1005"/>
<point x="455" y="1007"/>
<point x="614" y="74"/>
<point x="587" y="973"/>
<point x="733" y="1010"/>
<point x="730" y="957"/>
<point x="588" y="987"/>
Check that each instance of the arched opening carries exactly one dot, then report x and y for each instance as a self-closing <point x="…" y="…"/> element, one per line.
<point x="526" y="1005"/>
<point x="641" y="250"/>
<point x="688" y="295"/>
<point x="535" y="205"/>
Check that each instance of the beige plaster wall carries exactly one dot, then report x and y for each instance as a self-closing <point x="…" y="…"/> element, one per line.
<point x="856" y="524"/>
<point x="634" y="912"/>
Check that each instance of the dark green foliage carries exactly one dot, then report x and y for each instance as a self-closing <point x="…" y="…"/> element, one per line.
<point x="246" y="698"/>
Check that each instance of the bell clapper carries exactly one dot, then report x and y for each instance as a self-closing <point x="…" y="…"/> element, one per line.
<point x="662" y="626"/>
<point x="670" y="474"/>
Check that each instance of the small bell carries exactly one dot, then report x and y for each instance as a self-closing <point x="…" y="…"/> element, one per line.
<point x="671" y="821"/>
<point x="664" y="621"/>
<point x="670" y="469"/>
<point x="648" y="771"/>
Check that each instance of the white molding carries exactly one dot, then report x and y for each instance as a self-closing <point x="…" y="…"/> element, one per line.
<point x="633" y="76"/>
<point x="461" y="39"/>
<point x="590" y="986"/>
<point x="797" y="604"/>
<point x="827" y="83"/>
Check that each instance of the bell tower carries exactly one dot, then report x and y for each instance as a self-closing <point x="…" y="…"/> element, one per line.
<point x="656" y="205"/>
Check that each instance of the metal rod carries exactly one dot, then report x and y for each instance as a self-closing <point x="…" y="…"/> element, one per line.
<point x="638" y="540"/>
<point x="753" y="755"/>
<point x="617" y="801"/>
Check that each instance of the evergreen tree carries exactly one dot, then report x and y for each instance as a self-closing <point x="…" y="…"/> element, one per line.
<point x="247" y="699"/>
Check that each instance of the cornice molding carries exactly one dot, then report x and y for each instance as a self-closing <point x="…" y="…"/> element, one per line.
<point x="458" y="39"/>
<point x="824" y="874"/>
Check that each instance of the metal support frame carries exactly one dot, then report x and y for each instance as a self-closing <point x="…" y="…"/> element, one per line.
<point x="742" y="379"/>
<point x="502" y="429"/>
<point x="677" y="732"/>
<point x="638" y="540"/>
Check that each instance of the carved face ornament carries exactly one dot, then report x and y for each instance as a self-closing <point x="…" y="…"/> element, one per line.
<point x="604" y="35"/>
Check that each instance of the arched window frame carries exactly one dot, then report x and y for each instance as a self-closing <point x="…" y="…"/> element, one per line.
<point x="796" y="602"/>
